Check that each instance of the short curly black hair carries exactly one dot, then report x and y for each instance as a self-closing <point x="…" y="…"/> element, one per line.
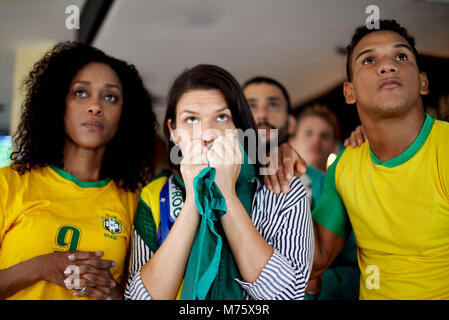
<point x="384" y="25"/>
<point x="130" y="157"/>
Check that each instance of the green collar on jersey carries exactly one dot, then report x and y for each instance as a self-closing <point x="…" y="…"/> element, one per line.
<point x="411" y="150"/>
<point x="79" y="183"/>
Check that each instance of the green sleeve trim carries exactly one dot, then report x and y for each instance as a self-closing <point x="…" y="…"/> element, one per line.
<point x="330" y="211"/>
<point x="411" y="150"/>
<point x="145" y="226"/>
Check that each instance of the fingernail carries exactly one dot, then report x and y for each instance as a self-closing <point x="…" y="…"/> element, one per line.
<point x="288" y="176"/>
<point x="112" y="285"/>
<point x="269" y="187"/>
<point x="277" y="189"/>
<point x="76" y="294"/>
<point x="99" y="253"/>
<point x="108" y="298"/>
<point x="285" y="189"/>
<point x="72" y="257"/>
<point x="113" y="264"/>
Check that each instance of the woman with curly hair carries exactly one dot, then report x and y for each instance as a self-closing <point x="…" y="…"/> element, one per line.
<point x="68" y="199"/>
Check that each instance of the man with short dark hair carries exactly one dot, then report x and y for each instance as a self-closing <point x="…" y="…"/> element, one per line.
<point x="270" y="103"/>
<point x="271" y="108"/>
<point x="394" y="188"/>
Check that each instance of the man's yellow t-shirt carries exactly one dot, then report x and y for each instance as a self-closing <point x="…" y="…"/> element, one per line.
<point x="47" y="210"/>
<point x="399" y="211"/>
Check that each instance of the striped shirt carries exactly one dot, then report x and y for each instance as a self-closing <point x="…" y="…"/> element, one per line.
<point x="285" y="222"/>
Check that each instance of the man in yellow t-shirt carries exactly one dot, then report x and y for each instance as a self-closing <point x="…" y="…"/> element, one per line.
<point x="394" y="189"/>
<point x="47" y="210"/>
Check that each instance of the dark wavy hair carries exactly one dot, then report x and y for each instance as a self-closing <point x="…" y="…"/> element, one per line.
<point x="384" y="25"/>
<point x="39" y="141"/>
<point x="207" y="77"/>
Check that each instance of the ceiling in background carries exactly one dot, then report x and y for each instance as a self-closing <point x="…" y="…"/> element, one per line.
<point x="290" y="40"/>
<point x="293" y="41"/>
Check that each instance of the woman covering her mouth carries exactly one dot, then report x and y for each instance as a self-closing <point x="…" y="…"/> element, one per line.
<point x="209" y="229"/>
<point x="68" y="200"/>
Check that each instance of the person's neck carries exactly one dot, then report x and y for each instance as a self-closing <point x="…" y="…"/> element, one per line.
<point x="82" y="163"/>
<point x="390" y="136"/>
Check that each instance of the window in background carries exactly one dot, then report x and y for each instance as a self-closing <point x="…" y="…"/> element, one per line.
<point x="5" y="150"/>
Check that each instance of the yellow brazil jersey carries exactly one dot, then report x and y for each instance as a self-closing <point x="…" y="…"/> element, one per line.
<point x="47" y="210"/>
<point x="399" y="211"/>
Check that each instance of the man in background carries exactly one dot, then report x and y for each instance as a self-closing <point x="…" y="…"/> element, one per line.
<point x="271" y="107"/>
<point x="316" y="135"/>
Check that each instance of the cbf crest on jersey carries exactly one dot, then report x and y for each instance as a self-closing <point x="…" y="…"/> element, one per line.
<point x="112" y="225"/>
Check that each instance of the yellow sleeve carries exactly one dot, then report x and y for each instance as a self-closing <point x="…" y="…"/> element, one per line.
<point x="3" y="198"/>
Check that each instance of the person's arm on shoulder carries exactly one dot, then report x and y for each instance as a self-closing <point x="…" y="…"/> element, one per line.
<point x="357" y="137"/>
<point x="290" y="163"/>
<point x="287" y="163"/>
